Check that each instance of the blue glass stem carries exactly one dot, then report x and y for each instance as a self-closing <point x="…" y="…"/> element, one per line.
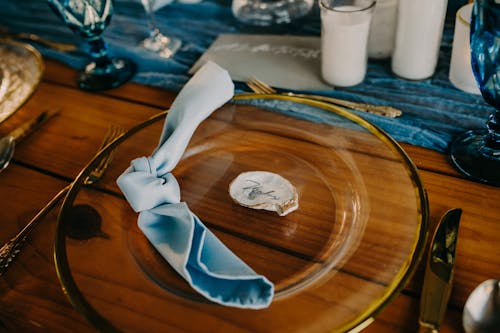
<point x="99" y="52"/>
<point x="153" y="27"/>
<point x="493" y="138"/>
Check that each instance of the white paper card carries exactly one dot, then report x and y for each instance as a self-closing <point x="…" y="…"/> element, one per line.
<point x="288" y="62"/>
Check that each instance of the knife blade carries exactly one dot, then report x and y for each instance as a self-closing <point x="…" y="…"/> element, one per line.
<point x="31" y="125"/>
<point x="439" y="269"/>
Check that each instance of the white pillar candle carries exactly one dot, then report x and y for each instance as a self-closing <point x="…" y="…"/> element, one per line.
<point x="418" y="38"/>
<point x="460" y="65"/>
<point x="344" y="38"/>
<point x="383" y="29"/>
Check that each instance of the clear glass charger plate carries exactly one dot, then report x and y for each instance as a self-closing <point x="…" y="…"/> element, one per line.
<point x="21" y="69"/>
<point x="340" y="258"/>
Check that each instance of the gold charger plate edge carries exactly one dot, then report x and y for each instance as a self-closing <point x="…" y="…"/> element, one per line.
<point x="41" y="69"/>
<point x="407" y="271"/>
<point x="364" y="319"/>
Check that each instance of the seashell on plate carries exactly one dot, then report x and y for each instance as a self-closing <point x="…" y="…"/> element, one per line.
<point x="264" y="190"/>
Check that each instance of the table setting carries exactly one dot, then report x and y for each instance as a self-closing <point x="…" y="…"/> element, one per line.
<point x="188" y="182"/>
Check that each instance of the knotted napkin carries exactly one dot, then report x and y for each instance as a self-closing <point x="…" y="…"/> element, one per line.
<point x="176" y="233"/>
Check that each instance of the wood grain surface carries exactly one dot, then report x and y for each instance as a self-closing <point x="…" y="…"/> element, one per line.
<point x="31" y="299"/>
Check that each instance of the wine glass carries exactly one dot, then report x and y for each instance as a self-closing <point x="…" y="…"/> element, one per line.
<point x="477" y="153"/>
<point x="89" y="18"/>
<point x="157" y="42"/>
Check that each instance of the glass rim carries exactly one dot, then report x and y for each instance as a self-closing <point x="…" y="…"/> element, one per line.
<point x="363" y="318"/>
<point x="322" y="4"/>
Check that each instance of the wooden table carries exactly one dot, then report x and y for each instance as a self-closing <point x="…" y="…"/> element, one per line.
<point x="30" y="294"/>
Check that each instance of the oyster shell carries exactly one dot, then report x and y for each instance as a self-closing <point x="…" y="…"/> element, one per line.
<point x="264" y="190"/>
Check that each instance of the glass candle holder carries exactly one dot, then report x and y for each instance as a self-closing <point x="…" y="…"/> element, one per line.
<point x="418" y="38"/>
<point x="270" y="12"/>
<point x="345" y="26"/>
<point x="460" y="64"/>
<point x="383" y="29"/>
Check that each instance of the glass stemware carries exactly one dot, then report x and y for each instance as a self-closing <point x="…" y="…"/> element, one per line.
<point x="477" y="153"/>
<point x="89" y="18"/>
<point x="157" y="42"/>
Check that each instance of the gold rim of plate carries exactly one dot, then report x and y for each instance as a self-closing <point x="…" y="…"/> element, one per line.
<point x="35" y="56"/>
<point x="365" y="317"/>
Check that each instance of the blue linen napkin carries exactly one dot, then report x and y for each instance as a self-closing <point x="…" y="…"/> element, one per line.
<point x="176" y="233"/>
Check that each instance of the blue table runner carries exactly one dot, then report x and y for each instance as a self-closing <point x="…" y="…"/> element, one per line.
<point x="434" y="111"/>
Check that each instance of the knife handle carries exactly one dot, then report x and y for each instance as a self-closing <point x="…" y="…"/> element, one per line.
<point x="28" y="127"/>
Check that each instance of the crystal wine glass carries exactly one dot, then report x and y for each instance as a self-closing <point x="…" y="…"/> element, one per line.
<point x="477" y="153"/>
<point x="157" y="42"/>
<point x="89" y="18"/>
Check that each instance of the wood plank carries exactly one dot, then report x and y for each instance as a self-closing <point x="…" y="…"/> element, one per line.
<point x="32" y="301"/>
<point x="401" y="316"/>
<point x="431" y="160"/>
<point x="30" y="288"/>
<point x="246" y="250"/>
<point x="59" y="73"/>
<point x="478" y="234"/>
<point x="328" y="215"/>
<point x="65" y="144"/>
<point x="31" y="297"/>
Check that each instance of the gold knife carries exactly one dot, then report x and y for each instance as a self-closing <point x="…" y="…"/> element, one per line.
<point x="58" y="46"/>
<point x="439" y="272"/>
<point x="30" y="126"/>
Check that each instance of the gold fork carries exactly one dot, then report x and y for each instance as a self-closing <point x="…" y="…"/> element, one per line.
<point x="261" y="87"/>
<point x="9" y="250"/>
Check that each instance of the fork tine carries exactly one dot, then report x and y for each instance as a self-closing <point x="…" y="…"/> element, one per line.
<point x="260" y="87"/>
<point x="98" y="171"/>
<point x="112" y="134"/>
<point x="254" y="87"/>
<point x="264" y="86"/>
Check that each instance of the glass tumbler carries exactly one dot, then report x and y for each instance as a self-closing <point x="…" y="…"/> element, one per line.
<point x="345" y="26"/>
<point x="270" y="12"/>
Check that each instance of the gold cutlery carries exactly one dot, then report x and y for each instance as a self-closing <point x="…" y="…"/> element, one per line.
<point x="8" y="142"/>
<point x="9" y="250"/>
<point x="438" y="278"/>
<point x="261" y="87"/>
<point x="58" y="46"/>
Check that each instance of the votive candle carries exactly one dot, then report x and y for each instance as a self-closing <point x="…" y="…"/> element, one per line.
<point x="418" y="38"/>
<point x="461" y="74"/>
<point x="383" y="29"/>
<point x="344" y="38"/>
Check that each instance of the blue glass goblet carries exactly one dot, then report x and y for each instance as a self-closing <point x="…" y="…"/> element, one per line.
<point x="89" y="18"/>
<point x="477" y="153"/>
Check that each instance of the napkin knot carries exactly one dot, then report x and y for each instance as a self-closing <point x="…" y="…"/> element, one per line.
<point x="144" y="189"/>
<point x="144" y="164"/>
